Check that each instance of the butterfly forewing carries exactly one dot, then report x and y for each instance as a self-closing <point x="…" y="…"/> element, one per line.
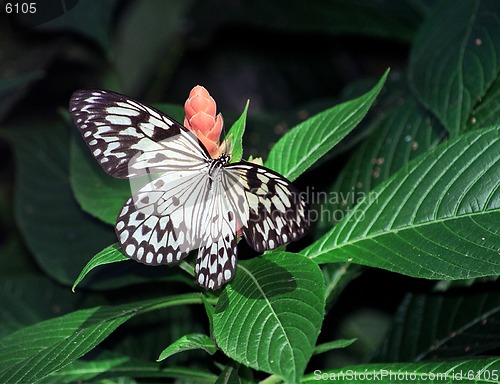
<point x="197" y="202"/>
<point x="130" y="139"/>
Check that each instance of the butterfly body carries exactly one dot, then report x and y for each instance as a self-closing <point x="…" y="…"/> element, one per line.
<point x="196" y="202"/>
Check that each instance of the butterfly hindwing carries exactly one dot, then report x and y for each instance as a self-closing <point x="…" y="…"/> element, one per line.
<point x="163" y="221"/>
<point x="277" y="212"/>
<point x="216" y="261"/>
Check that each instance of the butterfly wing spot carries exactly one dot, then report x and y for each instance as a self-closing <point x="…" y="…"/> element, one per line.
<point x="145" y="230"/>
<point x="130" y="249"/>
<point x="123" y="110"/>
<point x="119" y="120"/>
<point x="124" y="236"/>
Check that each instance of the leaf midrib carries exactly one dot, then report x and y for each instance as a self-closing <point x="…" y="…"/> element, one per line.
<point x="397" y="230"/>
<point x="272" y="310"/>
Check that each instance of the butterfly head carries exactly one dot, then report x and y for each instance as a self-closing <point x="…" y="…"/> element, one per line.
<point x="224" y="158"/>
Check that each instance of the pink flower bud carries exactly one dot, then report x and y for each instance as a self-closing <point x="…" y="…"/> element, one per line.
<point x="201" y="119"/>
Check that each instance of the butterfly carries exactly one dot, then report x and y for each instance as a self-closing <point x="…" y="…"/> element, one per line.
<point x="191" y="201"/>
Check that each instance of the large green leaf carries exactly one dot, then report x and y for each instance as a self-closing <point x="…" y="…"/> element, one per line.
<point x="59" y="234"/>
<point x="443" y="326"/>
<point x="406" y="132"/>
<point x="437" y="218"/>
<point x="456" y="58"/>
<point x="270" y="315"/>
<point x="34" y="352"/>
<point x="307" y="142"/>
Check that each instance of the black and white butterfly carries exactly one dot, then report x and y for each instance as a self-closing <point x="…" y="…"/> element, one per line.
<point x="195" y="202"/>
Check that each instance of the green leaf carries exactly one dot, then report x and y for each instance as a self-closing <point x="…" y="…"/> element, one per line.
<point x="406" y="132"/>
<point x="442" y="326"/>
<point x="487" y="110"/>
<point x="456" y="58"/>
<point x="28" y="299"/>
<point x="475" y="371"/>
<point x="235" y="136"/>
<point x="229" y="376"/>
<point x="437" y="218"/>
<point x="209" y="309"/>
<point x="12" y="89"/>
<point x="188" y="343"/>
<point x="126" y="274"/>
<point x="59" y="234"/>
<point x="34" y="352"/>
<point x="108" y="366"/>
<point x="307" y="142"/>
<point x="84" y="371"/>
<point x="108" y="255"/>
<point x="14" y="250"/>
<point x="270" y="315"/>
<point x="337" y="344"/>
<point x="337" y="278"/>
